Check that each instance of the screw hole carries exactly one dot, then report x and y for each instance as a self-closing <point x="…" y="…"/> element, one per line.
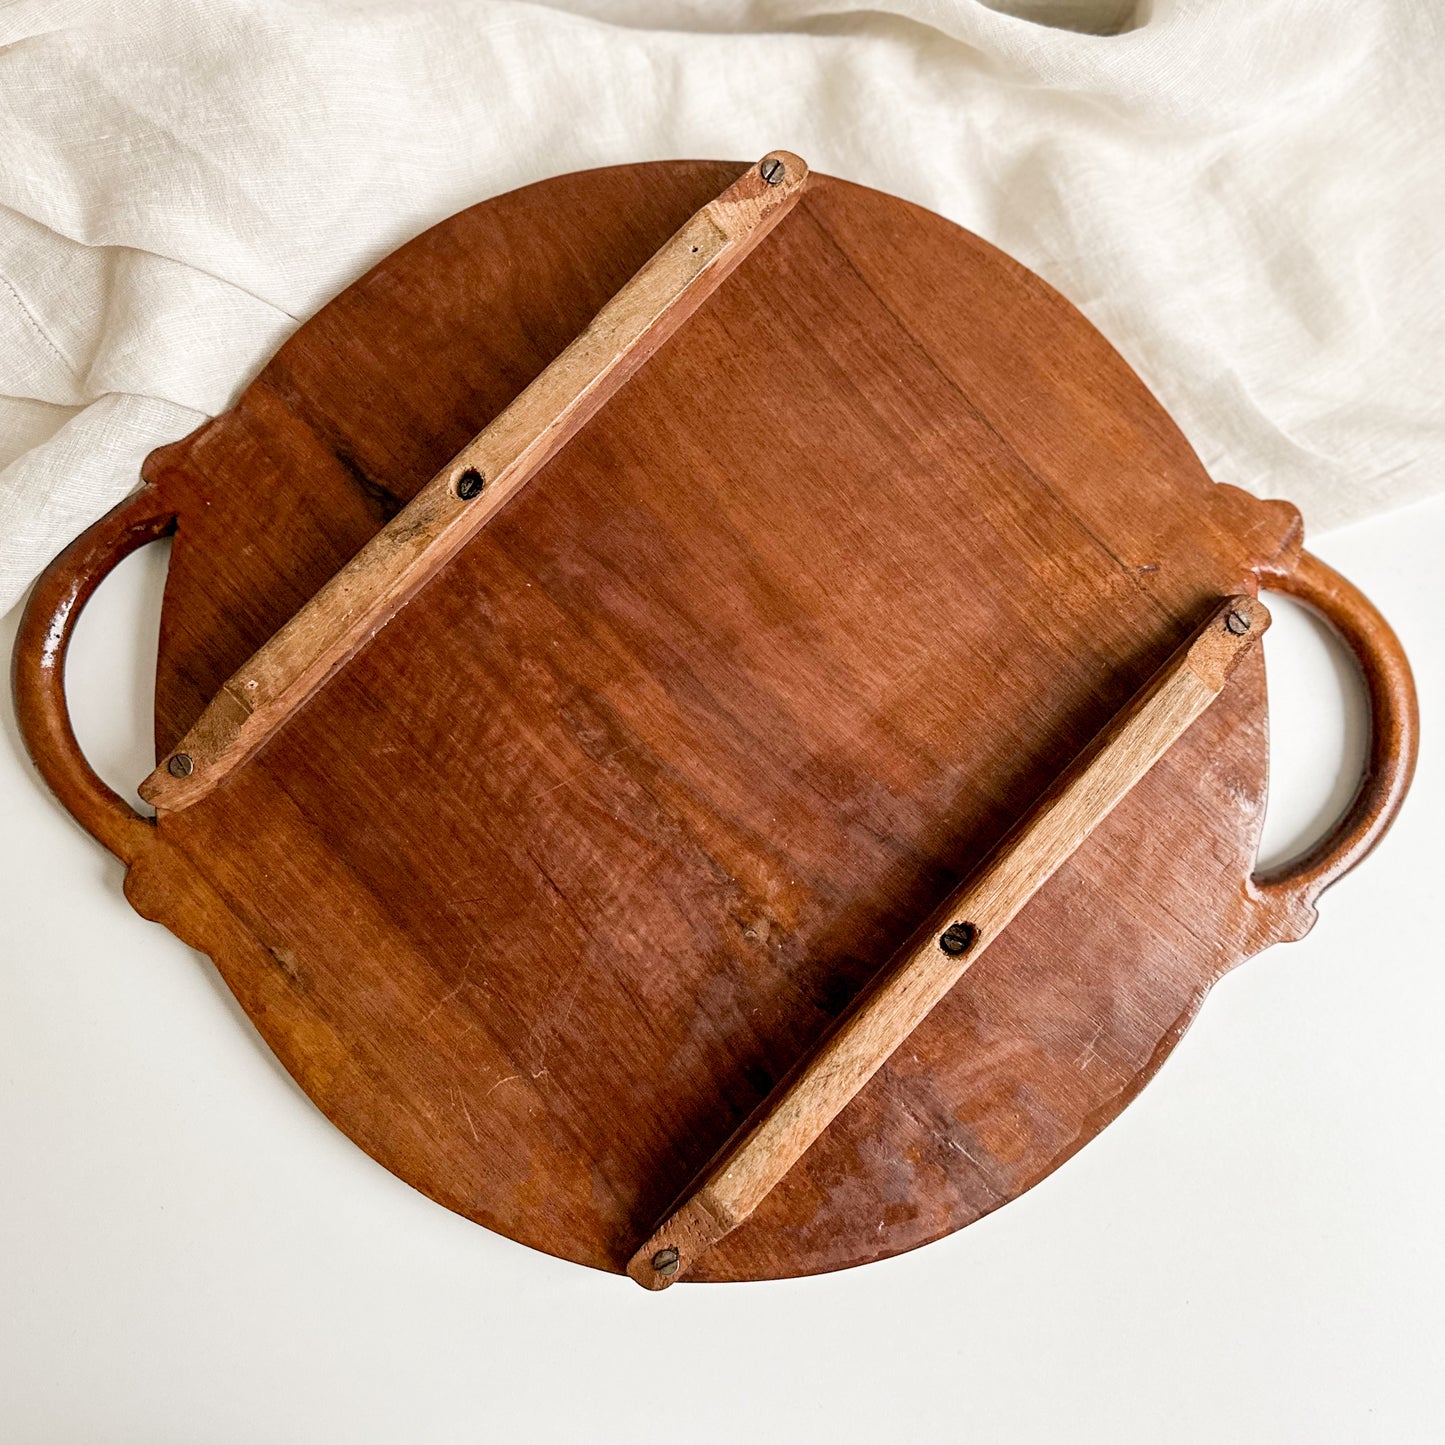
<point x="470" y="484"/>
<point x="957" y="938"/>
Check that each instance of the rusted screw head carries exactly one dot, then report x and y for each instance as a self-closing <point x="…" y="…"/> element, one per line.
<point x="957" y="938"/>
<point x="772" y="170"/>
<point x="666" y="1261"/>
<point x="470" y="484"/>
<point x="1238" y="622"/>
<point x="180" y="765"/>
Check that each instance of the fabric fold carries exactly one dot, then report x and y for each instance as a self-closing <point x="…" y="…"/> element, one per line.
<point x="1245" y="195"/>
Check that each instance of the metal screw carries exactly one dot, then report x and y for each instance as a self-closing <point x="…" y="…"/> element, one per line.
<point x="957" y="938"/>
<point x="180" y="766"/>
<point x="666" y="1261"/>
<point x="470" y="484"/>
<point x="772" y="170"/>
<point x="1238" y="623"/>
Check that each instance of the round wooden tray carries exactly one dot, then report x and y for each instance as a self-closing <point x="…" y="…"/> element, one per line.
<point x="540" y="895"/>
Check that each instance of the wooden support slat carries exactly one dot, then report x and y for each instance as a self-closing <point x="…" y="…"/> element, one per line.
<point x="952" y="939"/>
<point x="476" y="483"/>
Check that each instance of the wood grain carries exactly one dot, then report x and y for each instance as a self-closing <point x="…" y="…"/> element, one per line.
<point x="947" y="945"/>
<point x="543" y="892"/>
<point x="477" y="483"/>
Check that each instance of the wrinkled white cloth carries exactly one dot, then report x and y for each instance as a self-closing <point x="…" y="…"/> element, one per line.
<point x="1247" y="196"/>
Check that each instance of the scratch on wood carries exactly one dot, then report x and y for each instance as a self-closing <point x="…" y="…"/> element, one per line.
<point x="954" y="1144"/>
<point x="456" y="988"/>
<point x="470" y="1123"/>
<point x="1089" y="1053"/>
<point x="573" y="776"/>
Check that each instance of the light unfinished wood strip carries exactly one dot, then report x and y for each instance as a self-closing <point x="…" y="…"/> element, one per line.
<point x="953" y="938"/>
<point x="364" y="596"/>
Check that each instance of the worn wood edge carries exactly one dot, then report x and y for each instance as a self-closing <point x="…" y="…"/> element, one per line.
<point x="949" y="942"/>
<point x="346" y="613"/>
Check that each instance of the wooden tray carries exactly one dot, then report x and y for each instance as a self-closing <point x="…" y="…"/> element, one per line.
<point x="540" y="895"/>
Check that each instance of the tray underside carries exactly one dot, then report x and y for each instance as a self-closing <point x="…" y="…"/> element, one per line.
<point x="541" y="894"/>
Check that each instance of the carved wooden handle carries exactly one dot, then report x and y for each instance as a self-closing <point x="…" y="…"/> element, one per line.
<point x="38" y="675"/>
<point x="947" y="945"/>
<point x="364" y="596"/>
<point x="1287" y="894"/>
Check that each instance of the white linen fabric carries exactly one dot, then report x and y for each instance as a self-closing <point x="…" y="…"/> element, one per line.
<point x="1245" y="195"/>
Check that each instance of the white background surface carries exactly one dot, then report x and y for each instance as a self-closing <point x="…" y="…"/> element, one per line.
<point x="1252" y="1252"/>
